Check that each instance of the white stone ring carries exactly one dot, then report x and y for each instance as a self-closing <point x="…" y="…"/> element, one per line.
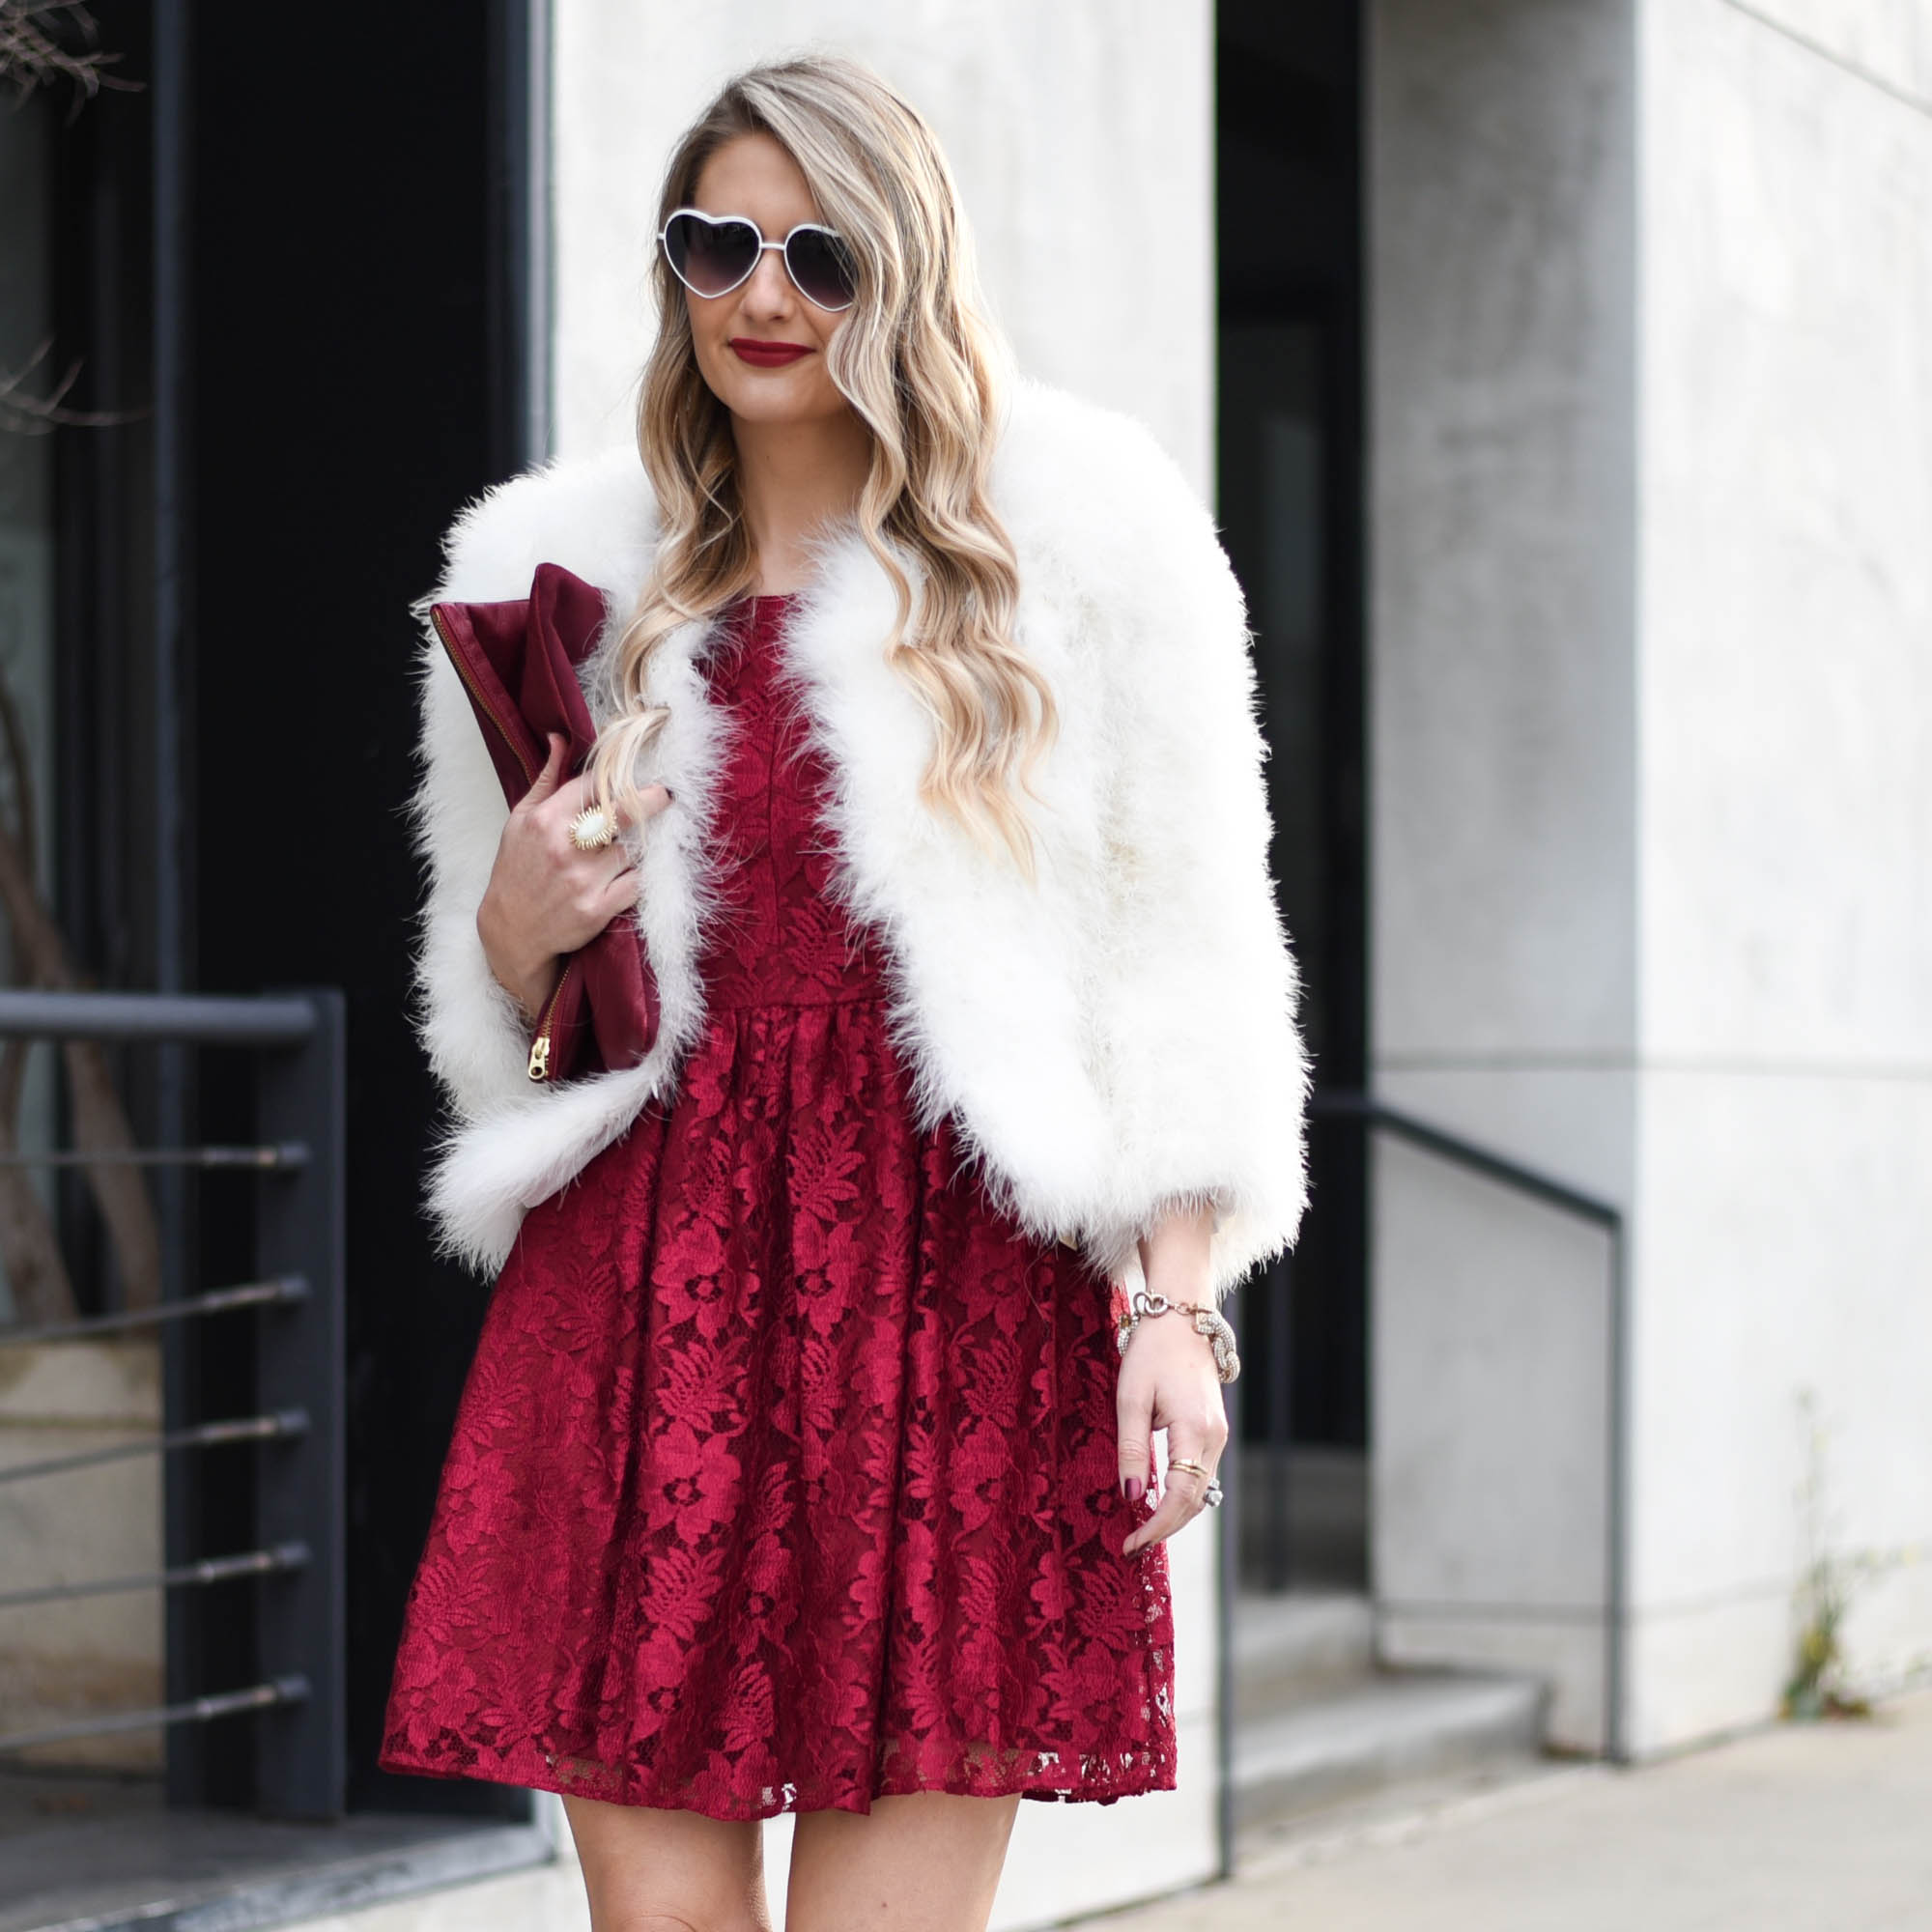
<point x="1211" y="1496"/>
<point x="593" y="829"/>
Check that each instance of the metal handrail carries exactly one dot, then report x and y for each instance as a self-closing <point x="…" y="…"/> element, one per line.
<point x="298" y="1611"/>
<point x="213" y="1301"/>
<point x="199" y="1436"/>
<point x="196" y="1019"/>
<point x="1506" y="1172"/>
<point x="293" y="1688"/>
<point x="203" y="1571"/>
<point x="291" y="1154"/>
<point x="1479" y="1159"/>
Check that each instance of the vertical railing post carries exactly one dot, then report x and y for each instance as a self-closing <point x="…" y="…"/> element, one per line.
<point x="1228" y="1583"/>
<point x="1277" y="1283"/>
<point x="301" y="1096"/>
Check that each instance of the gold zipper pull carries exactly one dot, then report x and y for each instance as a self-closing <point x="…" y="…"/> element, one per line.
<point x="539" y="1068"/>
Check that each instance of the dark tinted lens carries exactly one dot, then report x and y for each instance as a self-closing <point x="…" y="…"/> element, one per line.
<point x="711" y="256"/>
<point x="822" y="267"/>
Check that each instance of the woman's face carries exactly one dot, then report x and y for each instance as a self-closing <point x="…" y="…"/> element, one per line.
<point x="753" y="175"/>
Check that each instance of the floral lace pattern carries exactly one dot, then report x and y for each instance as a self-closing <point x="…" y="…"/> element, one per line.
<point x="784" y="1477"/>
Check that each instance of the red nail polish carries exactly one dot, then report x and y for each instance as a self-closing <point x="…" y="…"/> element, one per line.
<point x="1134" y="1488"/>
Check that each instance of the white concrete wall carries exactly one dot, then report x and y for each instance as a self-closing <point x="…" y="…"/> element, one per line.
<point x="1503" y="1001"/>
<point x="1077" y="131"/>
<point x="1785" y="829"/>
<point x="1652" y="691"/>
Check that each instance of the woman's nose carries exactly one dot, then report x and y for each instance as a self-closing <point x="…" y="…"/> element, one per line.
<point x="769" y="291"/>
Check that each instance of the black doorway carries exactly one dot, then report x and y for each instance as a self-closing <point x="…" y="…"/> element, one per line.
<point x="1289" y="495"/>
<point x="344" y="272"/>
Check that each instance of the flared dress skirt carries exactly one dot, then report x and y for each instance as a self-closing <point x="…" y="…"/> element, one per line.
<point x="785" y="1473"/>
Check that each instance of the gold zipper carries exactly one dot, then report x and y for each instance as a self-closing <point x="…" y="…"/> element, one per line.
<point x="539" y="1064"/>
<point x="538" y="1067"/>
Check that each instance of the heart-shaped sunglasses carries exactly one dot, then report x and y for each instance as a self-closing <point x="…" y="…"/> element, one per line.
<point x="713" y="254"/>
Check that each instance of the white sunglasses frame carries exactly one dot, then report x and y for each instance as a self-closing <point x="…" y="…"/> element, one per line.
<point x="718" y="222"/>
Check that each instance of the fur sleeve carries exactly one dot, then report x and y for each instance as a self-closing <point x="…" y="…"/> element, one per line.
<point x="469" y="1026"/>
<point x="511" y="1141"/>
<point x="1200" y="988"/>
<point x="581" y="513"/>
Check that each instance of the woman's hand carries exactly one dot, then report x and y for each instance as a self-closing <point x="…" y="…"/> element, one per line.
<point x="1168" y="1381"/>
<point x="544" y="898"/>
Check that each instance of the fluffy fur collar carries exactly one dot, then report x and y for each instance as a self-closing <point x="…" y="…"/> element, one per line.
<point x="1114" y="1040"/>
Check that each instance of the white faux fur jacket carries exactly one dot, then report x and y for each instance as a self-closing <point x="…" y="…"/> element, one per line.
<point x="1112" y="1040"/>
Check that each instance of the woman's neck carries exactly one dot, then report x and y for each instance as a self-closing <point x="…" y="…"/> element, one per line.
<point x="792" y="477"/>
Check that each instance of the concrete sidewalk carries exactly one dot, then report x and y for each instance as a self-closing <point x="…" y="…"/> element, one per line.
<point x="1799" y="1829"/>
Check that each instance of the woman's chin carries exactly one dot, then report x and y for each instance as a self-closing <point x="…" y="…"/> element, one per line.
<point x="797" y="394"/>
<point x="776" y="408"/>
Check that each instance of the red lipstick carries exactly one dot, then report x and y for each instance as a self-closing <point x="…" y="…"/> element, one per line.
<point x="766" y="355"/>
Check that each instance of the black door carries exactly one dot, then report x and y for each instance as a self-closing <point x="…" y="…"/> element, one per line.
<point x="1289" y="502"/>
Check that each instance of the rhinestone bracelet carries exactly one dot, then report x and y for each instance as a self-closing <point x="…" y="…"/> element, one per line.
<point x="1207" y="1321"/>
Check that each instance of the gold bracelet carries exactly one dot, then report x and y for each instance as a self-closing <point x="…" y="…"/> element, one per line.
<point x="1207" y="1321"/>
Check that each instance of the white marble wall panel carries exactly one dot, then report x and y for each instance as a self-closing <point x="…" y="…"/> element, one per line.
<point x="1077" y="131"/>
<point x="1786" y="1249"/>
<point x="1501" y="449"/>
<point x="1785" y="853"/>
<point x="1699" y="1671"/>
<point x="1490" y="1501"/>
<point x="1889" y="41"/>
<point x="1786" y="670"/>
<point x="1756" y="661"/>
<point x="1503" y="751"/>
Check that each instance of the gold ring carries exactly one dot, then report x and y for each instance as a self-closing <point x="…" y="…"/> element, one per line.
<point x="1186" y="1462"/>
<point x="593" y="829"/>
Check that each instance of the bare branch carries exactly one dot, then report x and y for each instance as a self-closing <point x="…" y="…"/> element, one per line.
<point x="25" y="414"/>
<point x="37" y="1276"/>
<point x="36" y="50"/>
<point x="99" y="1121"/>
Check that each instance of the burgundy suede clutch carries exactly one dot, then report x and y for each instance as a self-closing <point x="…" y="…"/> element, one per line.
<point x="518" y="661"/>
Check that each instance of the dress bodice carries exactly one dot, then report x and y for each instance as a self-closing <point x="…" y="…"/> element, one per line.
<point x="780" y="938"/>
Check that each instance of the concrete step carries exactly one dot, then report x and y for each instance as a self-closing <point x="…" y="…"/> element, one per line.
<point x="1291" y="1645"/>
<point x="1383" y="1730"/>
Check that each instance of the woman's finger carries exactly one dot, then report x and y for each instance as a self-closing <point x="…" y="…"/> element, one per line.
<point x="620" y="894"/>
<point x="1133" y="1430"/>
<point x="1184" y="1495"/>
<point x="650" y="801"/>
<point x="574" y="794"/>
<point x="550" y="778"/>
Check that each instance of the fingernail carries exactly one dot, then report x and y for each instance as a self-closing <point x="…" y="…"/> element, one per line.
<point x="1134" y="1488"/>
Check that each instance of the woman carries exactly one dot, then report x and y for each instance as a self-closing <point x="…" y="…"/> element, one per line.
<point x="801" y="1466"/>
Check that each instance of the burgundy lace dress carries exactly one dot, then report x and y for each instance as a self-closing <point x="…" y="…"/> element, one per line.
<point x="784" y="1477"/>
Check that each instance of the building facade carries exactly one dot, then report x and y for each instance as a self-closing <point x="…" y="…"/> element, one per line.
<point x="1651" y="665"/>
<point x="1559" y="372"/>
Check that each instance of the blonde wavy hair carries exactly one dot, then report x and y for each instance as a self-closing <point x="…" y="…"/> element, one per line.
<point x="917" y="360"/>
